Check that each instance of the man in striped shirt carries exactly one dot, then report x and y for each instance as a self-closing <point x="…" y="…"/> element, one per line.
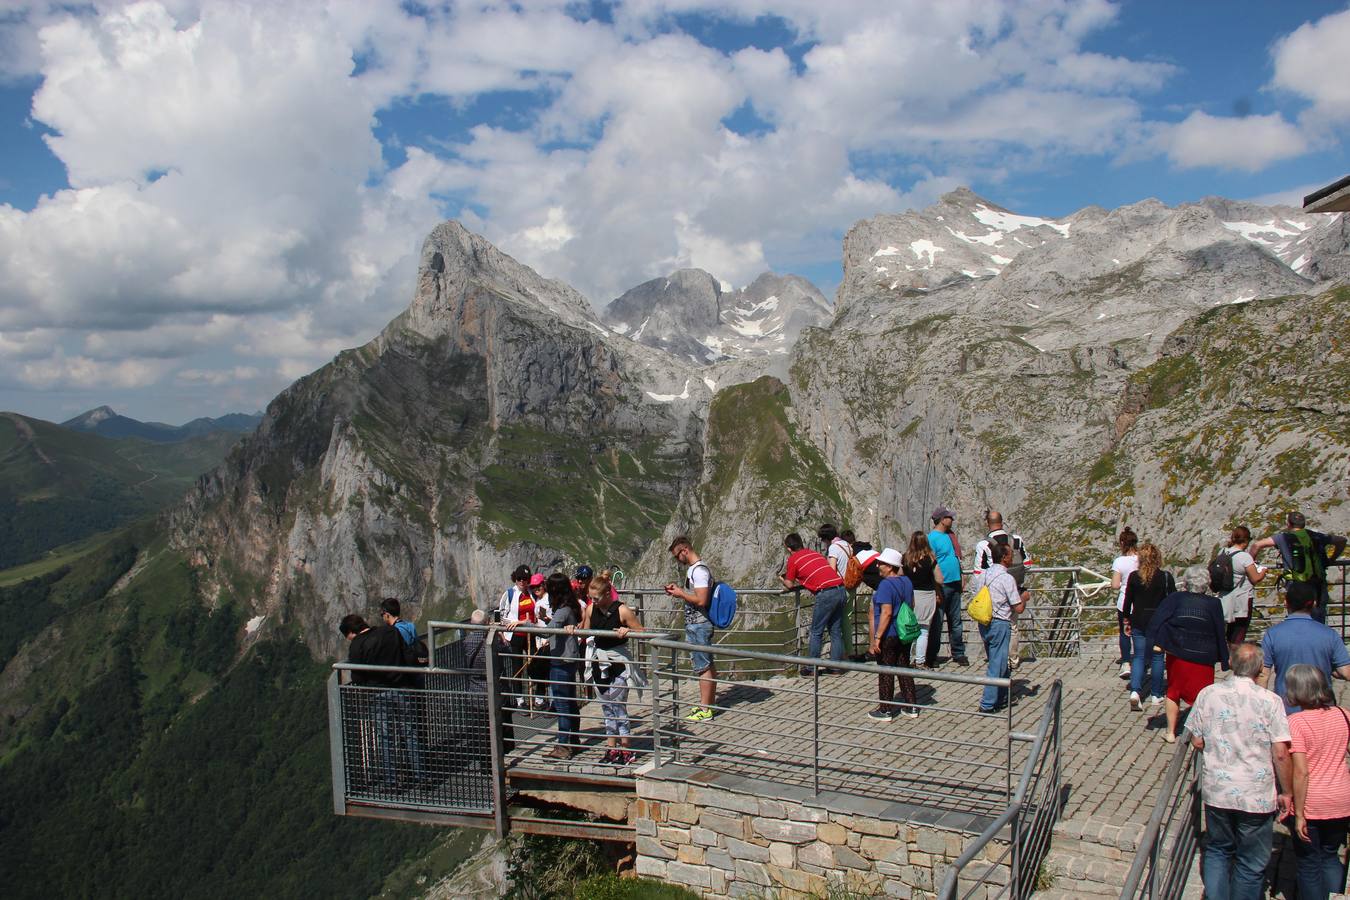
<point x="807" y="568"/>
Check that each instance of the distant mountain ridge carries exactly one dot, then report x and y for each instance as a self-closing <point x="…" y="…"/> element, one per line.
<point x="692" y="315"/>
<point x="106" y="422"/>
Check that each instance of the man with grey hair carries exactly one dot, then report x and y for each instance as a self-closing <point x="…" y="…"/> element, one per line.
<point x="1189" y="627"/>
<point x="1246" y="777"/>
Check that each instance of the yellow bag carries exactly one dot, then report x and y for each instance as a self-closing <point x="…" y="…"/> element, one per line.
<point x="981" y="607"/>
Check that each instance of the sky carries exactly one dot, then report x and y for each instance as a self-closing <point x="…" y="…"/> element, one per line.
<point x="203" y="200"/>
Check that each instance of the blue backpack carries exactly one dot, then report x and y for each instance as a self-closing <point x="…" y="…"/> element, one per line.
<point x="721" y="602"/>
<point x="722" y="605"/>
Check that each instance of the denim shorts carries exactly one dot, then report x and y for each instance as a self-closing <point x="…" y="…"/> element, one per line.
<point x="699" y="634"/>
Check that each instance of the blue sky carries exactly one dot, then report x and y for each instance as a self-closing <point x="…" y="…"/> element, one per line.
<point x="201" y="201"/>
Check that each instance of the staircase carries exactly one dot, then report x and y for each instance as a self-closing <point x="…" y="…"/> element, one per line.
<point x="1091" y="859"/>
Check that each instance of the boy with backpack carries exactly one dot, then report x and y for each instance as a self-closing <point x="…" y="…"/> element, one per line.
<point x="1303" y="553"/>
<point x="698" y="629"/>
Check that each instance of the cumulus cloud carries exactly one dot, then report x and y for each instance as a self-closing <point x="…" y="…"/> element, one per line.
<point x="1313" y="62"/>
<point x="232" y="218"/>
<point x="1249" y="143"/>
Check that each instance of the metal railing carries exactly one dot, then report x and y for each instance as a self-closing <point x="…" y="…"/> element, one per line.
<point x="1167" y="848"/>
<point x="1028" y="820"/>
<point x="817" y="732"/>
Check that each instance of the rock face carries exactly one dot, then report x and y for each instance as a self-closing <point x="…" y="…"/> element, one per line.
<point x="494" y="422"/>
<point x="1108" y="368"/>
<point x="688" y="315"/>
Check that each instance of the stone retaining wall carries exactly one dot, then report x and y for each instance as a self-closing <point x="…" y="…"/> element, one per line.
<point x="755" y="841"/>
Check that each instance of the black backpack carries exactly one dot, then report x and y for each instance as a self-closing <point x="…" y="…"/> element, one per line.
<point x="1221" y="577"/>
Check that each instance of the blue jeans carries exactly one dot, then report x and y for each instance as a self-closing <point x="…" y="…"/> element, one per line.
<point x="1319" y="863"/>
<point x="562" y="687"/>
<point x="1237" y="851"/>
<point x="700" y="633"/>
<point x="1126" y="650"/>
<point x="394" y="718"/>
<point x="828" y="612"/>
<point x="948" y="607"/>
<point x="1144" y="655"/>
<point x="997" y="635"/>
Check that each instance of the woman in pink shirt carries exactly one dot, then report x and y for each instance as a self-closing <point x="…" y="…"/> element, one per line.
<point x="1319" y="736"/>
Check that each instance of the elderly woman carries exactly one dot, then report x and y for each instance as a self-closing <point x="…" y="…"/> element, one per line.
<point x="1319" y="734"/>
<point x="1189" y="628"/>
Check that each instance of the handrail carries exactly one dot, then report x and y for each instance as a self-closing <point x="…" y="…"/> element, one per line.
<point x="1149" y="837"/>
<point x="869" y="668"/>
<point x="544" y="629"/>
<point x="949" y="881"/>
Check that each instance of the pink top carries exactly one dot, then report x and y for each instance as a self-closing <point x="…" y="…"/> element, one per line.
<point x="1322" y="734"/>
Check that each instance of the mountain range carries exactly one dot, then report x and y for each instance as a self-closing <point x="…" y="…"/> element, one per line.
<point x="1177" y="369"/>
<point x="104" y="421"/>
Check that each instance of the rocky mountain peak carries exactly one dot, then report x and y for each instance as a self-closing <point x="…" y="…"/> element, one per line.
<point x="90" y="419"/>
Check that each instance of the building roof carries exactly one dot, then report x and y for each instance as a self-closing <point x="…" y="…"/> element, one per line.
<point x="1334" y="197"/>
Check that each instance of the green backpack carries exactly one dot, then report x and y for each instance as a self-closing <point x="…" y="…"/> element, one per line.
<point x="1308" y="563"/>
<point x="906" y="624"/>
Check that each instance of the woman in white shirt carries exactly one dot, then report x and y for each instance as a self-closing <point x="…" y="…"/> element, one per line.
<point x="1237" y="603"/>
<point x="1121" y="567"/>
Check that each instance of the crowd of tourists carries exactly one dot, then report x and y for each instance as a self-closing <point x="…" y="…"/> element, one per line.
<point x="1273" y="738"/>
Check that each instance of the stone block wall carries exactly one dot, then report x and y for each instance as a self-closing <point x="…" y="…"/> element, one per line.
<point x="724" y="842"/>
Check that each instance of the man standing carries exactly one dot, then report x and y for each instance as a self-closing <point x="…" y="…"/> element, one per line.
<point x="1303" y="553"/>
<point x="697" y="595"/>
<point x="807" y="568"/>
<point x="1246" y="777"/>
<point x="984" y="558"/>
<point x="391" y="611"/>
<point x="949" y="604"/>
<point x="1301" y="639"/>
<point x="384" y="646"/>
<point x="997" y="635"/>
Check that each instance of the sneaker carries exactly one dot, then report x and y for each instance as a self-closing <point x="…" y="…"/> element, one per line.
<point x="624" y="758"/>
<point x="909" y="712"/>
<point x="961" y="661"/>
<point x="700" y="714"/>
<point x="880" y="714"/>
<point x="1155" y="700"/>
<point x="608" y="758"/>
<point x="1124" y="670"/>
<point x="1134" y="701"/>
<point x="987" y="710"/>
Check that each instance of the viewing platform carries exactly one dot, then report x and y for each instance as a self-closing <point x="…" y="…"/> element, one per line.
<point x="790" y="787"/>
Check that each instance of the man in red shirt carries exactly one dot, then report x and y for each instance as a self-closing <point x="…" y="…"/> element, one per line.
<point x="808" y="569"/>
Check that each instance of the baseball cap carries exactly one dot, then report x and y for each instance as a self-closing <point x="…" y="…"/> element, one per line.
<point x="890" y="556"/>
<point x="584" y="572"/>
<point x="941" y="513"/>
<point x="866" y="557"/>
<point x="536" y="579"/>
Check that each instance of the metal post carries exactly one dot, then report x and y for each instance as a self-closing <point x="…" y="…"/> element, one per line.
<point x="1077" y="609"/>
<point x="797" y="620"/>
<point x="336" y="741"/>
<point x="1015" y="875"/>
<point x="495" y="742"/>
<point x="1008" y="774"/>
<point x="815" y="721"/>
<point x="654" y="682"/>
<point x="675" y="706"/>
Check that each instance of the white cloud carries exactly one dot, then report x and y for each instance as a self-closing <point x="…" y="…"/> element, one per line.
<point x="1313" y="61"/>
<point x="1249" y="143"/>
<point x="230" y="209"/>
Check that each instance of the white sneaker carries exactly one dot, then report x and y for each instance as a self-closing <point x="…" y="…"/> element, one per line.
<point x="1134" y="700"/>
<point x="1124" y="670"/>
<point x="1155" y="700"/>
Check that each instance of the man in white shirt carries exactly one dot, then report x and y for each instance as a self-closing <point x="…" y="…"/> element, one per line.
<point x="984" y="558"/>
<point x="997" y="635"/>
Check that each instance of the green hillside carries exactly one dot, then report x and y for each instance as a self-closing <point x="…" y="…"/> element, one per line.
<point x="139" y="753"/>
<point x="59" y="486"/>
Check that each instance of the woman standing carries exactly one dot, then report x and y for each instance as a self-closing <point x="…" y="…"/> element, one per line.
<point x="1318" y="734"/>
<point x="1189" y="628"/>
<point x="884" y="641"/>
<point x="565" y="658"/>
<point x="919" y="565"/>
<point x="1237" y="603"/>
<point x="1144" y="593"/>
<point x="612" y="669"/>
<point x="1121" y="567"/>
